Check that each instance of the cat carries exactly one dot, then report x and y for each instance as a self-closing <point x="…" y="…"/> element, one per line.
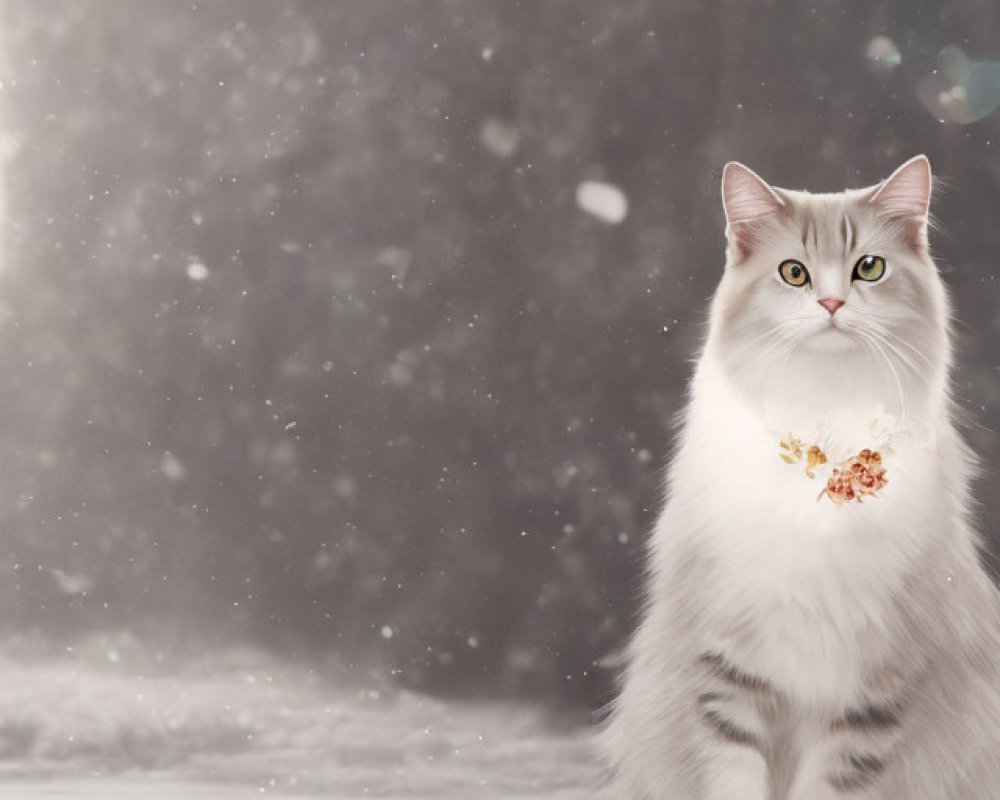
<point x="817" y="623"/>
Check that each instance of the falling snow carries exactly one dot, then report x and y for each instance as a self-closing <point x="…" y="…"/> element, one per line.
<point x="602" y="200"/>
<point x="197" y="271"/>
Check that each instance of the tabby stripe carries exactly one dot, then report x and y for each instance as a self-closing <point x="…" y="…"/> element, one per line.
<point x="849" y="235"/>
<point x="733" y="674"/>
<point x="728" y="729"/>
<point x="865" y="769"/>
<point x="868" y="718"/>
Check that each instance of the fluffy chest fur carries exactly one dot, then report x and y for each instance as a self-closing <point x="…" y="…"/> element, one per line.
<point x="796" y="586"/>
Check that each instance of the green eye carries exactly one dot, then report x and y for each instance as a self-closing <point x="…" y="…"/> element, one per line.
<point x="793" y="273"/>
<point x="869" y="268"/>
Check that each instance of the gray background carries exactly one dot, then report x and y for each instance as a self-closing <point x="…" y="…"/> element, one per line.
<point x="306" y="342"/>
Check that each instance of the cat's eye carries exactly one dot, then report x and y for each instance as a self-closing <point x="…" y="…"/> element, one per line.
<point x="869" y="268"/>
<point x="793" y="273"/>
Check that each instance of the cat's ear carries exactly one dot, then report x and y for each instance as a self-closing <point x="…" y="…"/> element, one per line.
<point x="905" y="196"/>
<point x="747" y="200"/>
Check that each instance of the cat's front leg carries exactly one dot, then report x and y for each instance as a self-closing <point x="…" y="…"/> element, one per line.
<point x="851" y="760"/>
<point x="732" y="732"/>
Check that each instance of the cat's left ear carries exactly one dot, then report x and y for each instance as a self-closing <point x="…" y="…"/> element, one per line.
<point x="905" y="196"/>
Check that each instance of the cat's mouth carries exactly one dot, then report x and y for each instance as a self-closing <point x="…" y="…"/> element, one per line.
<point x="833" y="336"/>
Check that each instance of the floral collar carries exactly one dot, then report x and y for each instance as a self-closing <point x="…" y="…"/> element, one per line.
<point x="862" y="474"/>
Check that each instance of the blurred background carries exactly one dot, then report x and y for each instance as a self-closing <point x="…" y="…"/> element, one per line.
<point x="351" y="334"/>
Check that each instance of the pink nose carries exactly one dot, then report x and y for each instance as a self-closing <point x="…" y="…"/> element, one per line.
<point x="831" y="304"/>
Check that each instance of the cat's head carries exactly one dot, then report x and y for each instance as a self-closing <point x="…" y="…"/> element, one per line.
<point x="831" y="293"/>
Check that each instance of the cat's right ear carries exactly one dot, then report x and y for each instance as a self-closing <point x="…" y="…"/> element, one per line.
<point x="747" y="200"/>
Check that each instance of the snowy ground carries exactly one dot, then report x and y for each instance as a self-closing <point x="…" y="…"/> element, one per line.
<point x="100" y="722"/>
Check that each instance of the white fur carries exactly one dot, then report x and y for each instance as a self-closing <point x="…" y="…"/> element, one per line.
<point x="833" y="605"/>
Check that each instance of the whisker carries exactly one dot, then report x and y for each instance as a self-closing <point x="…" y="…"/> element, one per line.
<point x="770" y="352"/>
<point x="893" y="343"/>
<point x="873" y="343"/>
<point x="913" y="348"/>
<point x="883" y="330"/>
<point x="906" y="361"/>
<point x="773" y="352"/>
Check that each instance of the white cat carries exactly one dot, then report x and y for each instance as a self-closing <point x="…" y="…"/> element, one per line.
<point x="817" y="623"/>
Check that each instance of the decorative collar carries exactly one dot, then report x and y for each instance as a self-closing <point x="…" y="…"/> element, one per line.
<point x="857" y="475"/>
<point x="860" y="475"/>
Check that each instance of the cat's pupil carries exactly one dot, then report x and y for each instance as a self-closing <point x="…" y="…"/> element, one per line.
<point x="796" y="272"/>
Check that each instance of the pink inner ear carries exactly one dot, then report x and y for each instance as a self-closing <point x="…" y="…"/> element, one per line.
<point x="907" y="192"/>
<point x="742" y="236"/>
<point x="745" y="195"/>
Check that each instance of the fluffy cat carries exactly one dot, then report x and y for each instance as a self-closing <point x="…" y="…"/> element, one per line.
<point x="817" y="622"/>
